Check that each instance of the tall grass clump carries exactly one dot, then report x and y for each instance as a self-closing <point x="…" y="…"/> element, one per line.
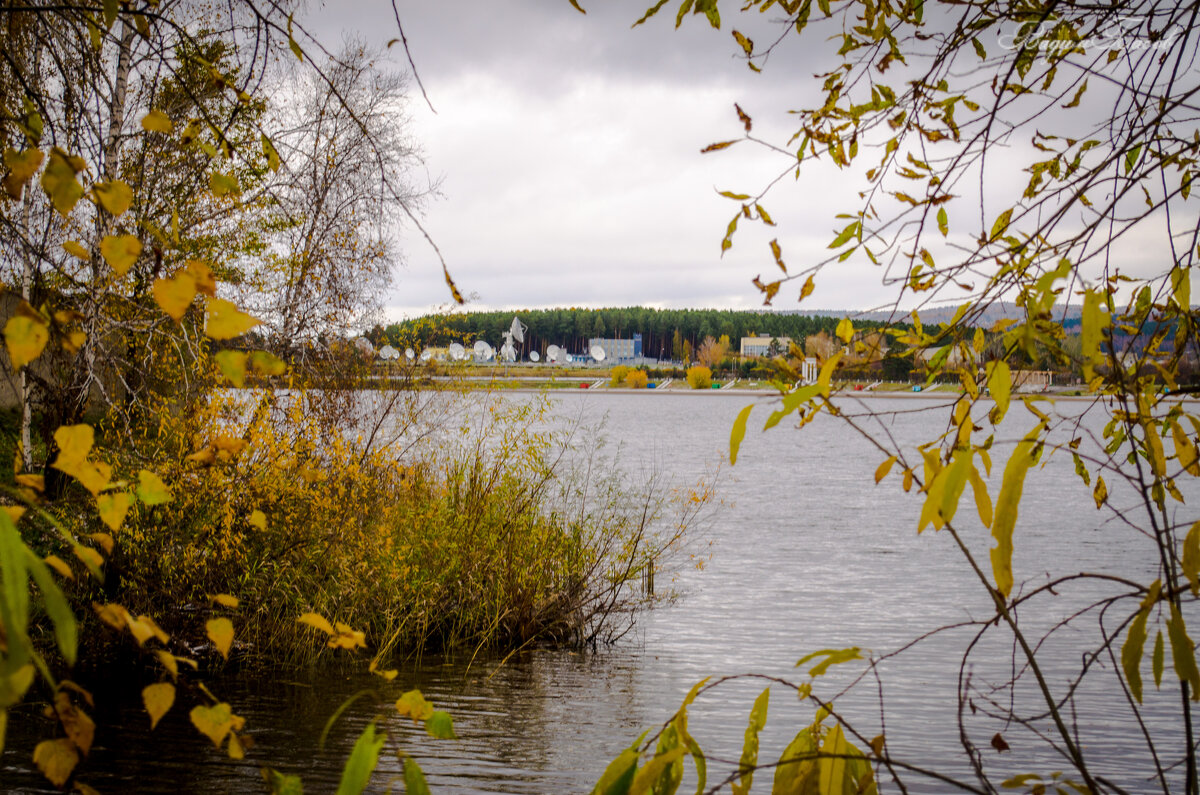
<point x="428" y="521"/>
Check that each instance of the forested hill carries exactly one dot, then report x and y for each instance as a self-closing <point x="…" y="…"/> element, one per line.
<point x="664" y="331"/>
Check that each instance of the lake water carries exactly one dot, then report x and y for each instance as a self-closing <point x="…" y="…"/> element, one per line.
<point x="805" y="553"/>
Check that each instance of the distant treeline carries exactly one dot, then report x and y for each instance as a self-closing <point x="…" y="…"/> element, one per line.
<point x="664" y="331"/>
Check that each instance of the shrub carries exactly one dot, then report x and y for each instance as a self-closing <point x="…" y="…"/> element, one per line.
<point x="699" y="377"/>
<point x="636" y="379"/>
<point x="618" y="374"/>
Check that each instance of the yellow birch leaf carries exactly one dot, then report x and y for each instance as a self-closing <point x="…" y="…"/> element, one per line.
<point x="21" y="168"/>
<point x="31" y="481"/>
<point x="168" y="661"/>
<point x="347" y="638"/>
<point x="113" y="508"/>
<point x="1005" y="518"/>
<point x="157" y="121"/>
<point x="112" y="614"/>
<point x="158" y="699"/>
<point x="25" y="338"/>
<point x="202" y="274"/>
<point x="267" y="363"/>
<point x="79" y="726"/>
<point x="143" y="628"/>
<point x="60" y="566"/>
<point x="88" y="555"/>
<point x="58" y="180"/>
<point x="845" y="330"/>
<point x="1100" y="493"/>
<point x="233" y="366"/>
<point x="15" y="512"/>
<point x="104" y="540"/>
<point x="224" y="599"/>
<point x="175" y="295"/>
<point x="414" y="705"/>
<point x="56" y="759"/>
<point x="74" y="442"/>
<point x="226" y="321"/>
<point x="1094" y="321"/>
<point x="999" y="384"/>
<point x="1191" y="558"/>
<point x="220" y="632"/>
<point x="120" y="252"/>
<point x="882" y="471"/>
<point x="213" y="722"/>
<point x="983" y="501"/>
<point x="93" y="476"/>
<point x="258" y="519"/>
<point x="236" y="751"/>
<point x="1183" y="652"/>
<point x="76" y="250"/>
<point x="151" y="490"/>
<point x="1185" y="450"/>
<point x="223" y="184"/>
<point x="317" y="622"/>
<point x="115" y="196"/>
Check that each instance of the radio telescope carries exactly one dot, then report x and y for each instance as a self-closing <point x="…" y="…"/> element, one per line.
<point x="483" y="352"/>
<point x="387" y="352"/>
<point x="426" y="354"/>
<point x="534" y="356"/>
<point x="552" y="354"/>
<point x="457" y="352"/>
<point x="515" y="333"/>
<point x="410" y="354"/>
<point x="597" y="353"/>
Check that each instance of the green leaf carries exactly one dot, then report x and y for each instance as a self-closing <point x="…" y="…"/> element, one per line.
<point x="1131" y="653"/>
<point x="844" y="236"/>
<point x="1006" y="512"/>
<point x="738" y="433"/>
<point x="1157" y="659"/>
<point x="151" y="490"/>
<point x="649" y="12"/>
<point x="795" y="764"/>
<point x="1001" y="224"/>
<point x="749" y="760"/>
<point x="14" y="590"/>
<point x="299" y="53"/>
<point x="111" y="7"/>
<point x="943" y="221"/>
<point x="999" y="384"/>
<point x="361" y="764"/>
<point x="1094" y="322"/>
<point x="233" y="366"/>
<point x="1191" y="558"/>
<point x="440" y="726"/>
<point x="618" y="776"/>
<point x="832" y="657"/>
<point x="1183" y="652"/>
<point x="283" y="785"/>
<point x="56" y="606"/>
<point x="654" y="770"/>
<point x="414" y="779"/>
<point x="1131" y="157"/>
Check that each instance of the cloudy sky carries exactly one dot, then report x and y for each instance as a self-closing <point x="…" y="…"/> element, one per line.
<point x="568" y="153"/>
<point x="567" y="150"/>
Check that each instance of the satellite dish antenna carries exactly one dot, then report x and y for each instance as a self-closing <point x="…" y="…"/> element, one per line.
<point x="388" y="352"/>
<point x="534" y="356"/>
<point x="552" y="354"/>
<point x="364" y="345"/>
<point x="457" y="352"/>
<point x="517" y="330"/>
<point x="426" y="354"/>
<point x="483" y="352"/>
<point x="410" y="354"/>
<point x="597" y="353"/>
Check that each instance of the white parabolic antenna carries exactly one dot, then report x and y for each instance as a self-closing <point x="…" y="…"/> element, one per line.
<point x="388" y="352"/>
<point x="482" y="350"/>
<point x="534" y="356"/>
<point x="457" y="352"/>
<point x="552" y="354"/>
<point x="426" y="354"/>
<point x="410" y="354"/>
<point x="597" y="353"/>
<point x="517" y="330"/>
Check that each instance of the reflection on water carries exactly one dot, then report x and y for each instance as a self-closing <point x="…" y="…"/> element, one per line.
<point x="807" y="554"/>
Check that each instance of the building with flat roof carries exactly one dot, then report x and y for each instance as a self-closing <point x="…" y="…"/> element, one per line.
<point x="618" y="350"/>
<point x="762" y="346"/>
